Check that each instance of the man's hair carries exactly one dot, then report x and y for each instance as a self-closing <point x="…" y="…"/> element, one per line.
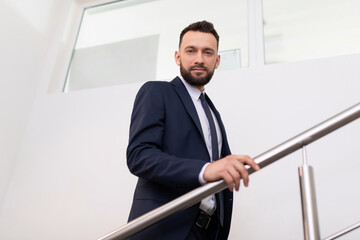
<point x="202" y="26"/>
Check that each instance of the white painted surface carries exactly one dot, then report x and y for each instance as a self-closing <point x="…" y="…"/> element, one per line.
<point x="66" y="152"/>
<point x="25" y="46"/>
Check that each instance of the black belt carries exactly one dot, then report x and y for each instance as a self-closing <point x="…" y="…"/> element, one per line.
<point x="203" y="220"/>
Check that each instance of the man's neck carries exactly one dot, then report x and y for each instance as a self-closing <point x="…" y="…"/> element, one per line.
<point x="201" y="88"/>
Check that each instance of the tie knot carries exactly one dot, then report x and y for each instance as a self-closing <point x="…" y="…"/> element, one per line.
<point x="202" y="97"/>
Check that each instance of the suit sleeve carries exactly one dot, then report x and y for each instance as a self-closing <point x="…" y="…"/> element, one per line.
<point x="145" y="156"/>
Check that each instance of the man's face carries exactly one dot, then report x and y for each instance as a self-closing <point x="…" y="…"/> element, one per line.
<point x="197" y="58"/>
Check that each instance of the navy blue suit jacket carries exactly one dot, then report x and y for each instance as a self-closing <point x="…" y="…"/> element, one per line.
<point x="167" y="151"/>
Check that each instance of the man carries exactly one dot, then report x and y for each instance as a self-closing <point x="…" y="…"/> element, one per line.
<point x="176" y="139"/>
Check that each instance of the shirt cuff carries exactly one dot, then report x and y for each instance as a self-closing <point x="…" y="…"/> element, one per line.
<point x="201" y="174"/>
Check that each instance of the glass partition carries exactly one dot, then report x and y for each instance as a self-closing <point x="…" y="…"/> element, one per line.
<point x="135" y="40"/>
<point x="308" y="29"/>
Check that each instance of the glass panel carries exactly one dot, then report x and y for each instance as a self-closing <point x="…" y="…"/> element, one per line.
<point x="135" y="40"/>
<point x="307" y="29"/>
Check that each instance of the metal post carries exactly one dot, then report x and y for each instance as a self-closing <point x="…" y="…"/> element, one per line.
<point x="308" y="200"/>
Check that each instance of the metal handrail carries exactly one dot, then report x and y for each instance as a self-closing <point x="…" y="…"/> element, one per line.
<point x="263" y="160"/>
<point x="344" y="231"/>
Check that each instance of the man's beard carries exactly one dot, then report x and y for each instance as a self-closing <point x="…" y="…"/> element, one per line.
<point x="196" y="80"/>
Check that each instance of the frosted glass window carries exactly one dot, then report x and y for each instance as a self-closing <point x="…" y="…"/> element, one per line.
<point x="135" y="40"/>
<point x="308" y="29"/>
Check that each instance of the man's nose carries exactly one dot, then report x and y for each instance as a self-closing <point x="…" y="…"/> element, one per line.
<point x="199" y="58"/>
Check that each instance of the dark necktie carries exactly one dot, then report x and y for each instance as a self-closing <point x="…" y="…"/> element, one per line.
<point x="214" y="139"/>
<point x="215" y="153"/>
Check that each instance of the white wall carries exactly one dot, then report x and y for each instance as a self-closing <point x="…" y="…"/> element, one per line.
<point x="67" y="151"/>
<point x="27" y="30"/>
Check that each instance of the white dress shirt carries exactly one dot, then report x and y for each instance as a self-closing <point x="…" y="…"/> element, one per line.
<point x="208" y="204"/>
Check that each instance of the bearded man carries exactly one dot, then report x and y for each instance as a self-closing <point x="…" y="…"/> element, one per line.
<point x="178" y="142"/>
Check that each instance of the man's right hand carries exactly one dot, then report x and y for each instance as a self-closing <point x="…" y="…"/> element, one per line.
<point x="231" y="169"/>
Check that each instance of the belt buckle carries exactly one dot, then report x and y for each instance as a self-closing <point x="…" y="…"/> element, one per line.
<point x="203" y="220"/>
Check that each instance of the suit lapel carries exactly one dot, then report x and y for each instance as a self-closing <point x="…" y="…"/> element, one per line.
<point x="187" y="101"/>
<point x="225" y="146"/>
<point x="189" y="105"/>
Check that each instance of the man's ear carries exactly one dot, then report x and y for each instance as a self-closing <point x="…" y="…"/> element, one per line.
<point x="217" y="63"/>
<point x="177" y="58"/>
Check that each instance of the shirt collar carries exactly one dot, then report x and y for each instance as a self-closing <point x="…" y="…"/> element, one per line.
<point x="193" y="91"/>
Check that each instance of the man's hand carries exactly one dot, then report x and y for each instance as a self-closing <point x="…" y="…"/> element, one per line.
<point x="231" y="169"/>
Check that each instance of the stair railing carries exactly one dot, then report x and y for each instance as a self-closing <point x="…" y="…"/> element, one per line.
<point x="263" y="160"/>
